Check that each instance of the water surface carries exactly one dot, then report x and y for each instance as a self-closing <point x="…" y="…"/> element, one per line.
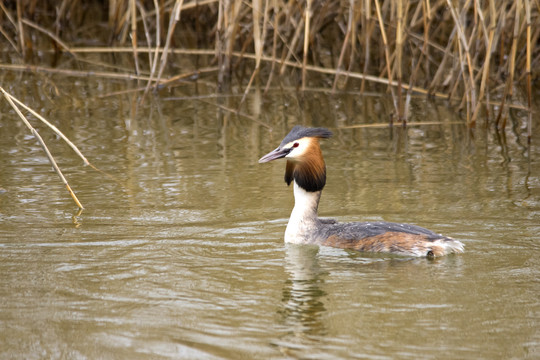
<point x="179" y="252"/>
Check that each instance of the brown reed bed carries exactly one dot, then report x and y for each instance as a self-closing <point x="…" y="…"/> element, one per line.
<point x="475" y="54"/>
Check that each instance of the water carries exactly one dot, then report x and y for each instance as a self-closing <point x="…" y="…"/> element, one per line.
<point x="179" y="252"/>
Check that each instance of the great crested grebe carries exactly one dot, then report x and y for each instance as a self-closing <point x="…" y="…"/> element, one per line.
<point x="306" y="168"/>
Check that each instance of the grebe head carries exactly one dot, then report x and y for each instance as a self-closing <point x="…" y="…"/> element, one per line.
<point x="305" y="163"/>
<point x="299" y="143"/>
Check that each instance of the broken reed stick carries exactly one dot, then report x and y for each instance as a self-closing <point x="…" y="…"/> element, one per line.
<point x="34" y="132"/>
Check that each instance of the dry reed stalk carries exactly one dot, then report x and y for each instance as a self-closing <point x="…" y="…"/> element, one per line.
<point x="146" y="31"/>
<point x="399" y="59"/>
<point x="292" y="45"/>
<point x="420" y="8"/>
<point x="48" y="33"/>
<point x="188" y="6"/>
<point x="8" y="38"/>
<point x="134" y="42"/>
<point x="437" y="78"/>
<point x="124" y="23"/>
<point x="8" y="14"/>
<point x="511" y="66"/>
<point x="387" y="125"/>
<point x="10" y="18"/>
<point x="76" y="73"/>
<point x="264" y="28"/>
<point x="227" y="27"/>
<point x="232" y="30"/>
<point x="121" y="15"/>
<point x="528" y="69"/>
<point x="60" y="14"/>
<point x="465" y="58"/>
<point x="153" y="63"/>
<point x="34" y="132"/>
<point x="175" y="18"/>
<point x="121" y="20"/>
<point x="258" y="43"/>
<point x="356" y="16"/>
<point x="487" y="61"/>
<point x="158" y="50"/>
<point x="427" y="18"/>
<point x="274" y="44"/>
<point x="308" y="14"/>
<point x="219" y="40"/>
<point x="369" y="26"/>
<point x="20" y="28"/>
<point x="348" y="35"/>
<point x="386" y="52"/>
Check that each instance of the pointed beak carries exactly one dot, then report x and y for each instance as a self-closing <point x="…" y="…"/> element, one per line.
<point x="274" y="155"/>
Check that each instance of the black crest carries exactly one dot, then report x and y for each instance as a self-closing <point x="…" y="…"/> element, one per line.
<point x="299" y="132"/>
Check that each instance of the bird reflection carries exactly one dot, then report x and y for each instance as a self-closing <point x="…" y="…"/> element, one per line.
<point x="302" y="302"/>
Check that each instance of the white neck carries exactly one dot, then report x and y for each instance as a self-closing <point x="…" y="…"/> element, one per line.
<point x="303" y="221"/>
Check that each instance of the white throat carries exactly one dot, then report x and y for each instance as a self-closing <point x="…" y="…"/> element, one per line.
<point x="303" y="221"/>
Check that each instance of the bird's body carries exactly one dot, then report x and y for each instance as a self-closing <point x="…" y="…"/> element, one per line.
<point x="306" y="168"/>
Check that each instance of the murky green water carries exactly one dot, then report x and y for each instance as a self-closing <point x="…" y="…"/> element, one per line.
<point x="179" y="252"/>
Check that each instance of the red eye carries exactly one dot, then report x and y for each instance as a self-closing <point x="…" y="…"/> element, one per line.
<point x="295" y="145"/>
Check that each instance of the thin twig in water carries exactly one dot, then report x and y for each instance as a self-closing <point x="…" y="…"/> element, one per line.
<point x="34" y="132"/>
